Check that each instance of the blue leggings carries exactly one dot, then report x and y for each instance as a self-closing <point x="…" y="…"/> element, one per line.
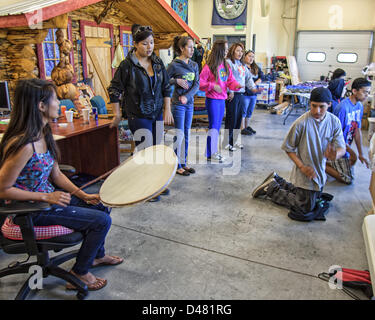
<point x="215" y="110"/>
<point x="93" y="221"/>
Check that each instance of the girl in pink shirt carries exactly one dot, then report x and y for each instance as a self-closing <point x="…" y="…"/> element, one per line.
<point x="216" y="77"/>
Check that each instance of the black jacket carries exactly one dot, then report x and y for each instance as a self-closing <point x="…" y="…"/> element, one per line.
<point x="132" y="85"/>
<point x="336" y="87"/>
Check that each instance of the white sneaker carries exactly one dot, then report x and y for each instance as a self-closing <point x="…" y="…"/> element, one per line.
<point x="217" y="157"/>
<point x="239" y="145"/>
<point x="230" y="148"/>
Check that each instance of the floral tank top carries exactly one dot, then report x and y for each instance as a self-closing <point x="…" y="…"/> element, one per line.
<point x="34" y="176"/>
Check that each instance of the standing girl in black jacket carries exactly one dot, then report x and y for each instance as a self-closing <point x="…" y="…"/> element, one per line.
<point x="142" y="82"/>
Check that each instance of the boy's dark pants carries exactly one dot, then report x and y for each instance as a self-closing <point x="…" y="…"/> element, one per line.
<point x="298" y="200"/>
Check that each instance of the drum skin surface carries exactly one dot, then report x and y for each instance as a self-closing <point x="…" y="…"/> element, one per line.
<point x="143" y="176"/>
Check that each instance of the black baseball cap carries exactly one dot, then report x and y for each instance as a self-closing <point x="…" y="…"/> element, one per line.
<point x="321" y="94"/>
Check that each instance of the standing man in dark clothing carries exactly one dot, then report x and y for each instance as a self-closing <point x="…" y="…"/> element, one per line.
<point x="198" y="56"/>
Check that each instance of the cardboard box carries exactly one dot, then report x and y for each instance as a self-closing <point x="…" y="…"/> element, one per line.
<point x="268" y="94"/>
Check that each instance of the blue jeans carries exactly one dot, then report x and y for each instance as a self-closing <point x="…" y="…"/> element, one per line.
<point x="183" y="116"/>
<point x="93" y="221"/>
<point x="152" y="133"/>
<point x="215" y="111"/>
<point x="248" y="106"/>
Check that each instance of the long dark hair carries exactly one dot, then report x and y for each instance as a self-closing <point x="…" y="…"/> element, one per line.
<point x="338" y="73"/>
<point x="217" y="57"/>
<point x="180" y="42"/>
<point x="253" y="67"/>
<point x="232" y="49"/>
<point x="26" y="120"/>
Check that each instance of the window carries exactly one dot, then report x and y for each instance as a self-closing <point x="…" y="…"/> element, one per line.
<point x="127" y="41"/>
<point x="316" y="56"/>
<point x="48" y="52"/>
<point x="347" y="57"/>
<point x="51" y="54"/>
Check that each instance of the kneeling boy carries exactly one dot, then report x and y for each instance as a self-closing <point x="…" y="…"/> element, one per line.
<point x="313" y="137"/>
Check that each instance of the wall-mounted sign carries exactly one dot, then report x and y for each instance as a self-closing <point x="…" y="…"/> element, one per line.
<point x="229" y="12"/>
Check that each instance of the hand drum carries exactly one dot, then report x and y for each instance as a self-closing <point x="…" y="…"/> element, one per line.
<point x="140" y="178"/>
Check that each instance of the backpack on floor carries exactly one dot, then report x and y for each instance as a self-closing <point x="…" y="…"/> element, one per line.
<point x="351" y="278"/>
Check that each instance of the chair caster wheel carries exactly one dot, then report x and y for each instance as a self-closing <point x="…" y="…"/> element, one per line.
<point x="82" y="295"/>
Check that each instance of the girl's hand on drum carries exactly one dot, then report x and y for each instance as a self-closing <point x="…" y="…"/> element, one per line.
<point x="58" y="197"/>
<point x="93" y="199"/>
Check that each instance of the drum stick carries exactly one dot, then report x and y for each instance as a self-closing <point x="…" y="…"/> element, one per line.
<point x="95" y="180"/>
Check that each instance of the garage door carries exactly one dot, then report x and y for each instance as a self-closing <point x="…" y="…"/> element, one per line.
<point x="318" y="52"/>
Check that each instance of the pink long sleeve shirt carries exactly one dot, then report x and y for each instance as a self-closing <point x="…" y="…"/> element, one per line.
<point x="226" y="81"/>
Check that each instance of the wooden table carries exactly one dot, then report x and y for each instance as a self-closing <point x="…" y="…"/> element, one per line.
<point x="91" y="148"/>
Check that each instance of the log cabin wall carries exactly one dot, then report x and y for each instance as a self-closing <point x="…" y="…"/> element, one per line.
<point x="18" y="46"/>
<point x="18" y="58"/>
<point x="18" y="50"/>
<point x="89" y="13"/>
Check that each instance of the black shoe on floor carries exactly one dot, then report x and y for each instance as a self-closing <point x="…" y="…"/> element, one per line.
<point x="261" y="190"/>
<point x="183" y="173"/>
<point x="190" y="170"/>
<point x="156" y="199"/>
<point x="246" y="132"/>
<point x="165" y="192"/>
<point x="250" y="129"/>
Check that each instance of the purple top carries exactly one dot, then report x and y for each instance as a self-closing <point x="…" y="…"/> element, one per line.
<point x="34" y="176"/>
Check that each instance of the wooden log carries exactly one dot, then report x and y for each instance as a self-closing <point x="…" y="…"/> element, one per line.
<point x="59" y="22"/>
<point x="91" y="12"/>
<point x="27" y="36"/>
<point x="21" y="51"/>
<point x="27" y="65"/>
<point x="3" y="33"/>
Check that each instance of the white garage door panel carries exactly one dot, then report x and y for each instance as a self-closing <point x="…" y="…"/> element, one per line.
<point x="332" y="43"/>
<point x="331" y="55"/>
<point x="337" y="40"/>
<point x="311" y="72"/>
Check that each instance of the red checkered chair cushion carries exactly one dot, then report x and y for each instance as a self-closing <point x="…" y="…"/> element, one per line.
<point x="13" y="231"/>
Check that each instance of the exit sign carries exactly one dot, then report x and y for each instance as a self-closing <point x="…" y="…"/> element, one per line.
<point x="239" y="27"/>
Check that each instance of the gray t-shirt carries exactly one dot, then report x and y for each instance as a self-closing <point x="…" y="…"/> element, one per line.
<point x="309" y="138"/>
<point x="242" y="75"/>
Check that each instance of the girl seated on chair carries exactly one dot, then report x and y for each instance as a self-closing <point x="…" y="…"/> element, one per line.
<point x="28" y="162"/>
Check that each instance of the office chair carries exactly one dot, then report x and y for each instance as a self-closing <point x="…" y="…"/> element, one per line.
<point x="22" y="212"/>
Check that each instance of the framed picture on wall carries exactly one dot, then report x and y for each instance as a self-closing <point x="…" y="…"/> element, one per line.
<point x="181" y="8"/>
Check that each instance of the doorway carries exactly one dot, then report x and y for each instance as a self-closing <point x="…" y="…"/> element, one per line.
<point x="231" y="39"/>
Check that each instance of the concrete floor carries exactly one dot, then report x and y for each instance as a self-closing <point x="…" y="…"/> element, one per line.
<point x="210" y="240"/>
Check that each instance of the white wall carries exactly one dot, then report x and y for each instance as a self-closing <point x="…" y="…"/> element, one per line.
<point x="336" y="15"/>
<point x="275" y="33"/>
<point x="200" y="15"/>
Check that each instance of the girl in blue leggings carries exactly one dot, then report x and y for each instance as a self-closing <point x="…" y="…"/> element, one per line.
<point x="28" y="162"/>
<point x="216" y="77"/>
